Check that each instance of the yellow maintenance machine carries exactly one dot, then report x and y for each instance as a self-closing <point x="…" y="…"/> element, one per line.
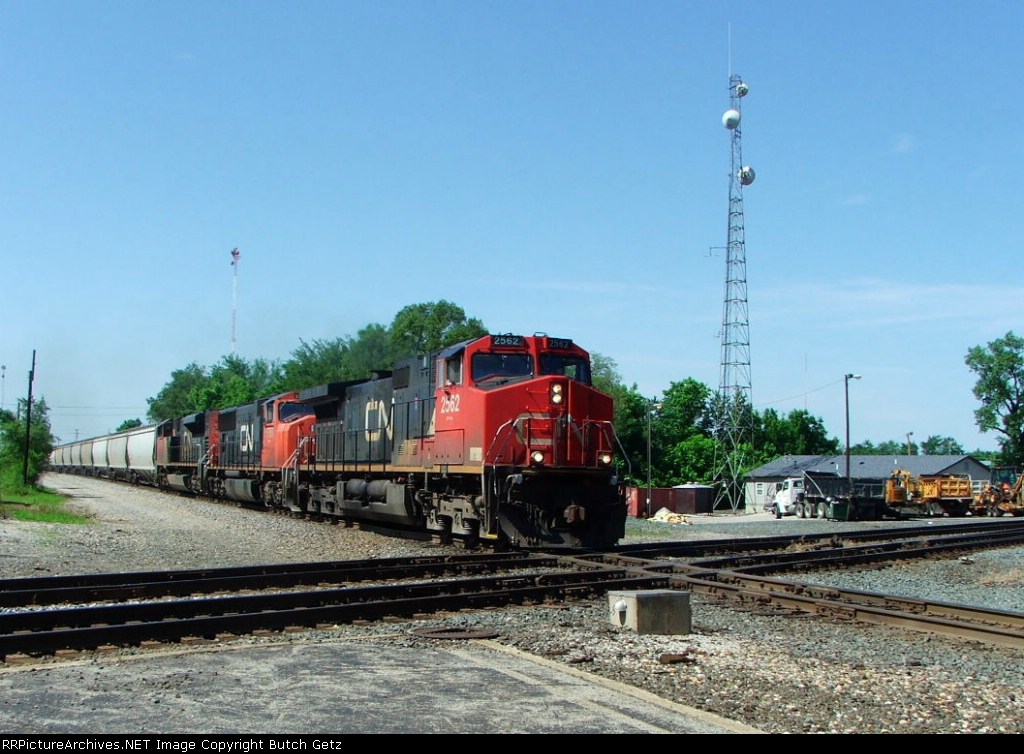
<point x="1001" y="495"/>
<point x="931" y="495"/>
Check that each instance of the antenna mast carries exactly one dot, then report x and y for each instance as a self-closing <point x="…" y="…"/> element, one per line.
<point x="734" y="411"/>
<point x="234" y="296"/>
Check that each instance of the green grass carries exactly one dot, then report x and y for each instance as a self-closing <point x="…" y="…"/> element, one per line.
<point x="36" y="504"/>
<point x="645" y="529"/>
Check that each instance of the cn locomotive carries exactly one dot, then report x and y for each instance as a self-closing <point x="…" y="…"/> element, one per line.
<point x="501" y="440"/>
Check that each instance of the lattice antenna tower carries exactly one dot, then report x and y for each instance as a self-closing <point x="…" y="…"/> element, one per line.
<point x="235" y="255"/>
<point x="734" y="415"/>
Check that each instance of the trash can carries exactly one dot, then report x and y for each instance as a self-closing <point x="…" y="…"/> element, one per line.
<point x="839" y="510"/>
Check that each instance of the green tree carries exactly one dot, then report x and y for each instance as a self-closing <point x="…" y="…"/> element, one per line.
<point x="317" y="363"/>
<point x="631" y="430"/>
<point x="990" y="457"/>
<point x="175" y="398"/>
<point x="605" y="375"/>
<point x="14" y="474"/>
<point x="232" y="382"/>
<point x="423" y="328"/>
<point x="235" y="382"/>
<point x="128" y="424"/>
<point x="887" y="448"/>
<point x="999" y="366"/>
<point x="680" y="447"/>
<point x="941" y="446"/>
<point x="683" y="412"/>
<point x="797" y="433"/>
<point x="691" y="460"/>
<point x="371" y="349"/>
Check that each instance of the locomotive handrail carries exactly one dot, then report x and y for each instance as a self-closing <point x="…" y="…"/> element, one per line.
<point x="497" y="433"/>
<point x="293" y="460"/>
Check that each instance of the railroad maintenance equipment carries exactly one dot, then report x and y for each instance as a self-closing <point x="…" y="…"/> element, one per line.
<point x="1002" y="494"/>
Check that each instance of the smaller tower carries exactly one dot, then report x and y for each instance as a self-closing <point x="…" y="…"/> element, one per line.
<point x="235" y="254"/>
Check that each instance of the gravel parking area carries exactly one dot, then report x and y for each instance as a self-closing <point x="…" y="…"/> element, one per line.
<point x="776" y="672"/>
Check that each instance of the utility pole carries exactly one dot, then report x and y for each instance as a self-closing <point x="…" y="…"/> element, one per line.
<point x="28" y="417"/>
<point x="846" y="392"/>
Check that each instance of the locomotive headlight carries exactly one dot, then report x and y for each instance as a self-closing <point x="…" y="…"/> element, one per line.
<point x="556" y="393"/>
<point x="537" y="457"/>
<point x="605" y="459"/>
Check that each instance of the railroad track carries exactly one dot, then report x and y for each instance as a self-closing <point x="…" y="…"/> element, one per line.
<point x="46" y="615"/>
<point x="83" y="625"/>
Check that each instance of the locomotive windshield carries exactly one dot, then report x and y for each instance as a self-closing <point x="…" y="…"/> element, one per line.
<point x="500" y="368"/>
<point x="573" y="367"/>
<point x="292" y="411"/>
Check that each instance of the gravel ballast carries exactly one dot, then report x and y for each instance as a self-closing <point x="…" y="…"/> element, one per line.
<point x="778" y="672"/>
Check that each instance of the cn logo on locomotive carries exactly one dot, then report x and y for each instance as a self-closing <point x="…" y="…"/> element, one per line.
<point x="376" y="410"/>
<point x="247" y="438"/>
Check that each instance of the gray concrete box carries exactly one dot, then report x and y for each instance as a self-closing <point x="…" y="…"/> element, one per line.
<point x="653" y="611"/>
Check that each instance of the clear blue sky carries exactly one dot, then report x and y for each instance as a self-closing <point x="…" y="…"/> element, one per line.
<point x="548" y="166"/>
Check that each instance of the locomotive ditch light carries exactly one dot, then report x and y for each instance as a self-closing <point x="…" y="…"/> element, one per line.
<point x="605" y="459"/>
<point x="537" y="458"/>
<point x="556" y="393"/>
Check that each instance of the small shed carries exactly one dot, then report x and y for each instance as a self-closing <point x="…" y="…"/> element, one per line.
<point x="693" y="498"/>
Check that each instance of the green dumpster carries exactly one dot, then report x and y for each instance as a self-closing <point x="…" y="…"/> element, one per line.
<point x="839" y="510"/>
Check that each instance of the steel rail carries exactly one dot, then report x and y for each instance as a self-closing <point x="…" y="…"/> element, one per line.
<point x="707" y="547"/>
<point x="89" y="627"/>
<point x="959" y="621"/>
<point x="148" y="585"/>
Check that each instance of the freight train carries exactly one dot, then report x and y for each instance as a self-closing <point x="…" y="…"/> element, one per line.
<point x="500" y="440"/>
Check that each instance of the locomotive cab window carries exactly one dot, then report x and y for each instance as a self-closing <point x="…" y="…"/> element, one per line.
<point x="292" y="411"/>
<point x="500" y="368"/>
<point x="453" y="369"/>
<point x="573" y="367"/>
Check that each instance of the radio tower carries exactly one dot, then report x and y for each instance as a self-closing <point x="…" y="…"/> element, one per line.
<point x="234" y="296"/>
<point x="734" y="413"/>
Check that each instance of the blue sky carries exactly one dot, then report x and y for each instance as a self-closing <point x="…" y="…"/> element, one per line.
<point x="548" y="166"/>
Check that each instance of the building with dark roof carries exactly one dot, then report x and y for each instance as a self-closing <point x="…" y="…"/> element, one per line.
<point x="760" y="482"/>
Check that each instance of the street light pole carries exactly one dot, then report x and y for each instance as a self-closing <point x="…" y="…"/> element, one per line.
<point x="652" y="406"/>
<point x="650" y="410"/>
<point x="909" y="434"/>
<point x="846" y="386"/>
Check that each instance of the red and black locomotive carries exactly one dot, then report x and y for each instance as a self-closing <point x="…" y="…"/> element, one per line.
<point x="501" y="439"/>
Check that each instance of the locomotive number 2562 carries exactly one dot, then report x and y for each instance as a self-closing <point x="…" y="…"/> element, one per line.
<point x="450" y="404"/>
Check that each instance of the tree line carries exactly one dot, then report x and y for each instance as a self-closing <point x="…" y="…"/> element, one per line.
<point x="677" y="429"/>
